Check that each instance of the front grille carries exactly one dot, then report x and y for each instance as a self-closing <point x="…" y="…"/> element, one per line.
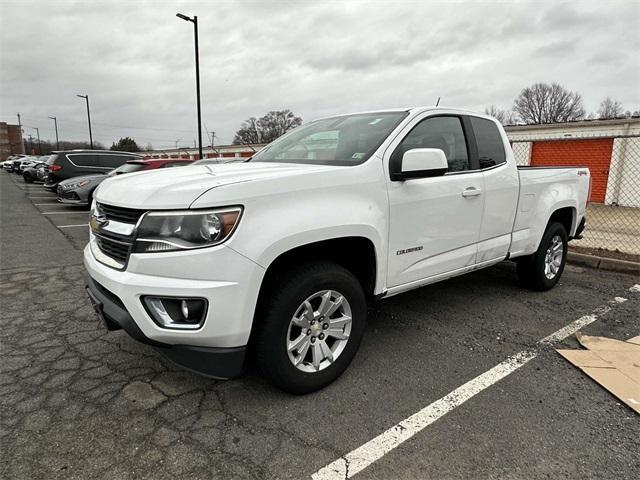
<point x="112" y="244"/>
<point x="116" y="249"/>
<point x="121" y="214"/>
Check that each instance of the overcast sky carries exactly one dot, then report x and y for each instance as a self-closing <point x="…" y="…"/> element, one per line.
<point x="135" y="60"/>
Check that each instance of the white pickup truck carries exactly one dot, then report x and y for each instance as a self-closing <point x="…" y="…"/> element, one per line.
<point x="277" y="256"/>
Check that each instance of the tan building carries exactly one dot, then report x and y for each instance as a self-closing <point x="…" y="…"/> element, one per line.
<point x="10" y="140"/>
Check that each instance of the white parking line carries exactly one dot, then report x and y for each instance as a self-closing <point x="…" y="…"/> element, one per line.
<point x="67" y="212"/>
<point x="43" y="204"/>
<point x="357" y="460"/>
<point x="38" y="198"/>
<point x="70" y="226"/>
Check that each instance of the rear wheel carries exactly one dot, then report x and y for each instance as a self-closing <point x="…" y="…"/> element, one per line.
<point x="542" y="270"/>
<point x="310" y="328"/>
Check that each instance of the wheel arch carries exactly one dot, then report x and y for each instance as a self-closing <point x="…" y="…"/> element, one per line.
<point x="566" y="216"/>
<point x="355" y="253"/>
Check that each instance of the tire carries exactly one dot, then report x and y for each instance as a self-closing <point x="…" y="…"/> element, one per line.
<point x="27" y="178"/>
<point x="276" y="328"/>
<point x="536" y="271"/>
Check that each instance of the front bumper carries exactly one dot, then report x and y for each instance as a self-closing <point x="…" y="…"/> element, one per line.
<point x="229" y="282"/>
<point x="72" y="197"/>
<point x="208" y="361"/>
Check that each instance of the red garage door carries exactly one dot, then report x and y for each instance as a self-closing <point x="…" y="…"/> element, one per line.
<point x="595" y="154"/>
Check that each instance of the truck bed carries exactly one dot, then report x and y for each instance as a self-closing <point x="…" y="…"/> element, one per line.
<point x="566" y="187"/>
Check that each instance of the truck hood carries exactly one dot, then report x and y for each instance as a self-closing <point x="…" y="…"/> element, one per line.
<point x="180" y="187"/>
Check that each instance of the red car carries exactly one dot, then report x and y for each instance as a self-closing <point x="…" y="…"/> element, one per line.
<point x="79" y="190"/>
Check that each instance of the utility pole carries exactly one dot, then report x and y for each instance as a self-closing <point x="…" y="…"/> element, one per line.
<point x="55" y="121"/>
<point x="30" y="144"/>
<point x="86" y="97"/>
<point x="39" y="144"/>
<point x="23" y="140"/>
<point x="213" y="138"/>
<point x="194" y="20"/>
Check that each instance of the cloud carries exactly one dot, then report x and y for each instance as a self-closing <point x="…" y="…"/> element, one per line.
<point x="135" y="59"/>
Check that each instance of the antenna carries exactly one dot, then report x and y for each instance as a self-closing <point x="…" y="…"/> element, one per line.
<point x="438" y="102"/>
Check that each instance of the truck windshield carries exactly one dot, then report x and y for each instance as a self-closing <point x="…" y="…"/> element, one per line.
<point x="345" y="140"/>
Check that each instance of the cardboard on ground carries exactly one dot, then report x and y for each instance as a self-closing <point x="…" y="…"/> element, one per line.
<point x="614" y="364"/>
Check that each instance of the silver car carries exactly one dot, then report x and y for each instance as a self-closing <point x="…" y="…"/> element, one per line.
<point x="79" y="190"/>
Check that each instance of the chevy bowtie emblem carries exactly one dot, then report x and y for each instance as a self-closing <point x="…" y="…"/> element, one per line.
<point x="97" y="222"/>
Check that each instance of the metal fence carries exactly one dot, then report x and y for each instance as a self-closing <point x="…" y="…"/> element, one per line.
<point x="613" y="212"/>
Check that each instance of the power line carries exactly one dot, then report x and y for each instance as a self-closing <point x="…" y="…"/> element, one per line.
<point x="121" y="126"/>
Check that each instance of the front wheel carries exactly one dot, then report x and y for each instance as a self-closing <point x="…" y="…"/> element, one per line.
<point x="27" y="178"/>
<point x="542" y="270"/>
<point x="310" y="326"/>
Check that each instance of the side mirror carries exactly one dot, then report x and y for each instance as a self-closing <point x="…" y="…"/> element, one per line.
<point x="422" y="163"/>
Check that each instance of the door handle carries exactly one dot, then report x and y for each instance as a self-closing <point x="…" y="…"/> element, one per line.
<point x="471" y="192"/>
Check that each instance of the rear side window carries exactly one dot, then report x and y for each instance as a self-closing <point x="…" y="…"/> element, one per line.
<point x="114" y="161"/>
<point x="489" y="142"/>
<point x="83" y="159"/>
<point x="445" y="133"/>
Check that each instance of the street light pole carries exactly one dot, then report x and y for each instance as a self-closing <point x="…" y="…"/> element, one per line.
<point x="194" y="20"/>
<point x="39" y="144"/>
<point x="86" y="97"/>
<point x="55" y="122"/>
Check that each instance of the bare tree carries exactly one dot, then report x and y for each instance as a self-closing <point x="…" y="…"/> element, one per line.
<point x="267" y="128"/>
<point x="249" y="132"/>
<point x="610" y="109"/>
<point x="505" y="117"/>
<point x="548" y="103"/>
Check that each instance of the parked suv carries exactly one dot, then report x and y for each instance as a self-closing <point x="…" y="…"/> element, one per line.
<point x="73" y="163"/>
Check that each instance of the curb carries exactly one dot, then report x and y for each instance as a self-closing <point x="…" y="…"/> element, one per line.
<point x="603" y="263"/>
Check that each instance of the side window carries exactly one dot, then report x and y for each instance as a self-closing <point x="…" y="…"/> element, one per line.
<point x="113" y="161"/>
<point x="84" y="159"/>
<point x="489" y="141"/>
<point x="445" y="133"/>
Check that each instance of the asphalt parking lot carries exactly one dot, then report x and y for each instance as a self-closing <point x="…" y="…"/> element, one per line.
<point x="79" y="402"/>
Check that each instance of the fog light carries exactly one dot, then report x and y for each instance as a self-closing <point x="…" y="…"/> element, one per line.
<point x="176" y="312"/>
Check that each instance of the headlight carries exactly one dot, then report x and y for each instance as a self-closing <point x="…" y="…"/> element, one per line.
<point x="78" y="184"/>
<point x="184" y="230"/>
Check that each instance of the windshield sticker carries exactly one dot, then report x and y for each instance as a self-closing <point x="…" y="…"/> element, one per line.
<point x="357" y="155"/>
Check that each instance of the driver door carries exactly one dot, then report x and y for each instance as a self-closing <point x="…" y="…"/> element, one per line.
<point x="434" y="222"/>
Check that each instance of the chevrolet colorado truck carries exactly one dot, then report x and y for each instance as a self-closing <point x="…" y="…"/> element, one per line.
<point x="277" y="256"/>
